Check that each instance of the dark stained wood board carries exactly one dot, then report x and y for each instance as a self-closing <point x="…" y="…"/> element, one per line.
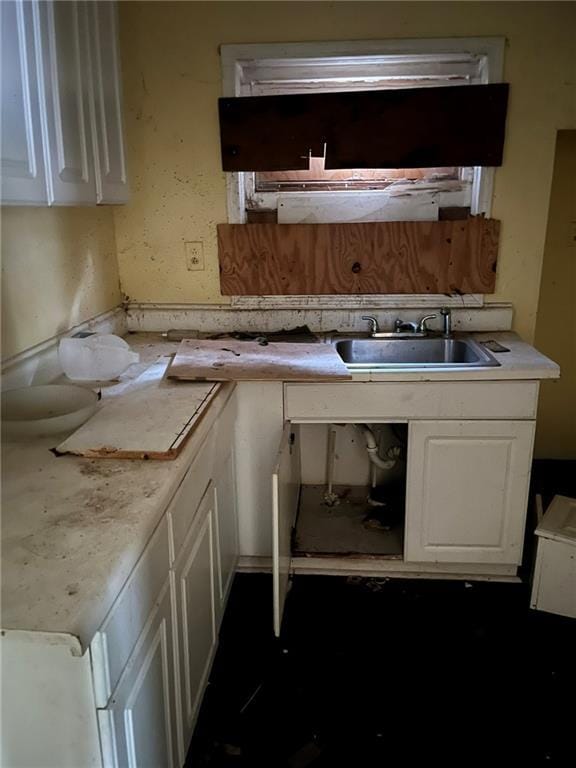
<point x="396" y="128"/>
<point x="230" y="360"/>
<point x="359" y="258"/>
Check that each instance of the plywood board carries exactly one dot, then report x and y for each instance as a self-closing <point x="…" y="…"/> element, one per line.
<point x="230" y="360"/>
<point x="153" y="420"/>
<point x="390" y="257"/>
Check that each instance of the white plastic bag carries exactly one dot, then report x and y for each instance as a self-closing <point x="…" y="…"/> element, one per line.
<point x="100" y="357"/>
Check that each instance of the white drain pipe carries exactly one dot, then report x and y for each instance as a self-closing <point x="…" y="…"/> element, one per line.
<point x="372" y="448"/>
<point x="331" y="498"/>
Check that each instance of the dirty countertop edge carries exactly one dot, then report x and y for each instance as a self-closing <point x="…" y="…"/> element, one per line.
<point x="72" y="599"/>
<point x="521" y="362"/>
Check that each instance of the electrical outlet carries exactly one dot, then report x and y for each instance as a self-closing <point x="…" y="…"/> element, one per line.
<point x="194" y="251"/>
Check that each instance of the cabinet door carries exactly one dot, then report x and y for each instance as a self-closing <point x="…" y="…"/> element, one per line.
<point x="194" y="595"/>
<point x="23" y="168"/>
<point x="467" y="491"/>
<point x="226" y="529"/>
<point x="138" y="727"/>
<point x="111" y="180"/>
<point x="68" y="102"/>
<point x="285" y="498"/>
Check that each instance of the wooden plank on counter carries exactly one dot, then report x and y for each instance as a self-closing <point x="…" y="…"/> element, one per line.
<point x="153" y="420"/>
<point x="426" y="257"/>
<point x="230" y="360"/>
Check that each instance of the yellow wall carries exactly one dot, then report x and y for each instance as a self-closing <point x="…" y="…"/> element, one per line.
<point x="58" y="269"/>
<point x="556" y="325"/>
<point x="172" y="81"/>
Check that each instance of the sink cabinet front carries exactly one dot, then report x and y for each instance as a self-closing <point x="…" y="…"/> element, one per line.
<point x="467" y="491"/>
<point x="385" y="401"/>
<point x="467" y="474"/>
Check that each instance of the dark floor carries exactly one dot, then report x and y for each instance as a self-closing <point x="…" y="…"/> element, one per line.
<point x="389" y="673"/>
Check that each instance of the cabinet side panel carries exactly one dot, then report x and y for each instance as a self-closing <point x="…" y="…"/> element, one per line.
<point x="48" y="708"/>
<point x="555" y="580"/>
<point x="258" y="434"/>
<point x="285" y="498"/>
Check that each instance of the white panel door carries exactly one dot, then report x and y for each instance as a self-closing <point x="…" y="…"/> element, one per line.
<point x="111" y="177"/>
<point x="68" y="102"/>
<point x="23" y="168"/>
<point x="226" y="529"/>
<point x="138" y="728"/>
<point x="285" y="497"/>
<point x="194" y="593"/>
<point x="467" y="491"/>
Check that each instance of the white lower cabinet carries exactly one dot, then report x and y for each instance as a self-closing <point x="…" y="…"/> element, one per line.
<point x="285" y="495"/>
<point x="138" y="727"/>
<point x="226" y="533"/>
<point x="467" y="484"/>
<point x="467" y="490"/>
<point x="150" y="716"/>
<point x="194" y="596"/>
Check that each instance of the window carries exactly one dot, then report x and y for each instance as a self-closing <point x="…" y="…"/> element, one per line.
<point x="319" y="179"/>
<point x="375" y="194"/>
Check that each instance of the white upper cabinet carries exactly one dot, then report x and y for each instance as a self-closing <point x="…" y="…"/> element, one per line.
<point x="111" y="181"/>
<point x="66" y="65"/>
<point x="23" y="168"/>
<point x="72" y="48"/>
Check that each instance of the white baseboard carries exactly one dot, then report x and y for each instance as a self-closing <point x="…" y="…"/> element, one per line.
<point x="384" y="567"/>
<point x="40" y="365"/>
<point x="254" y="564"/>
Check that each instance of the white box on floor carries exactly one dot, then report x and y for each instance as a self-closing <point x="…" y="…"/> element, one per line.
<point x="554" y="583"/>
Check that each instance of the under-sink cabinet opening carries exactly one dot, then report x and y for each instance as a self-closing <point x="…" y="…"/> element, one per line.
<point x="339" y="499"/>
<point x="420" y="497"/>
<point x="353" y="491"/>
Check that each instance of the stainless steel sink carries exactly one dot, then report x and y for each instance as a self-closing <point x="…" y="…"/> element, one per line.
<point x="414" y="353"/>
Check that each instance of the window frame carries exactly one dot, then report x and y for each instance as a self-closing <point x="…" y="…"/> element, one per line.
<point x="492" y="51"/>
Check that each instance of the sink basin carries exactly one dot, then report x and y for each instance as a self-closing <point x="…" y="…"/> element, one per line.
<point x="414" y="353"/>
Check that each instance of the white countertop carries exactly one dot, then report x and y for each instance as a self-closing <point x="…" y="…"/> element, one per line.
<point x="73" y="528"/>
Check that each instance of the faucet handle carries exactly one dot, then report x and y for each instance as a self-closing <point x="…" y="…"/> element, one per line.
<point x="373" y="323"/>
<point x="422" y="324"/>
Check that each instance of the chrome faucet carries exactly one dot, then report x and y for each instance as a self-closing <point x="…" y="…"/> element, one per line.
<point x="404" y="326"/>
<point x="374" y="328"/>
<point x="420" y="328"/>
<point x="407" y="327"/>
<point x="447" y="319"/>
